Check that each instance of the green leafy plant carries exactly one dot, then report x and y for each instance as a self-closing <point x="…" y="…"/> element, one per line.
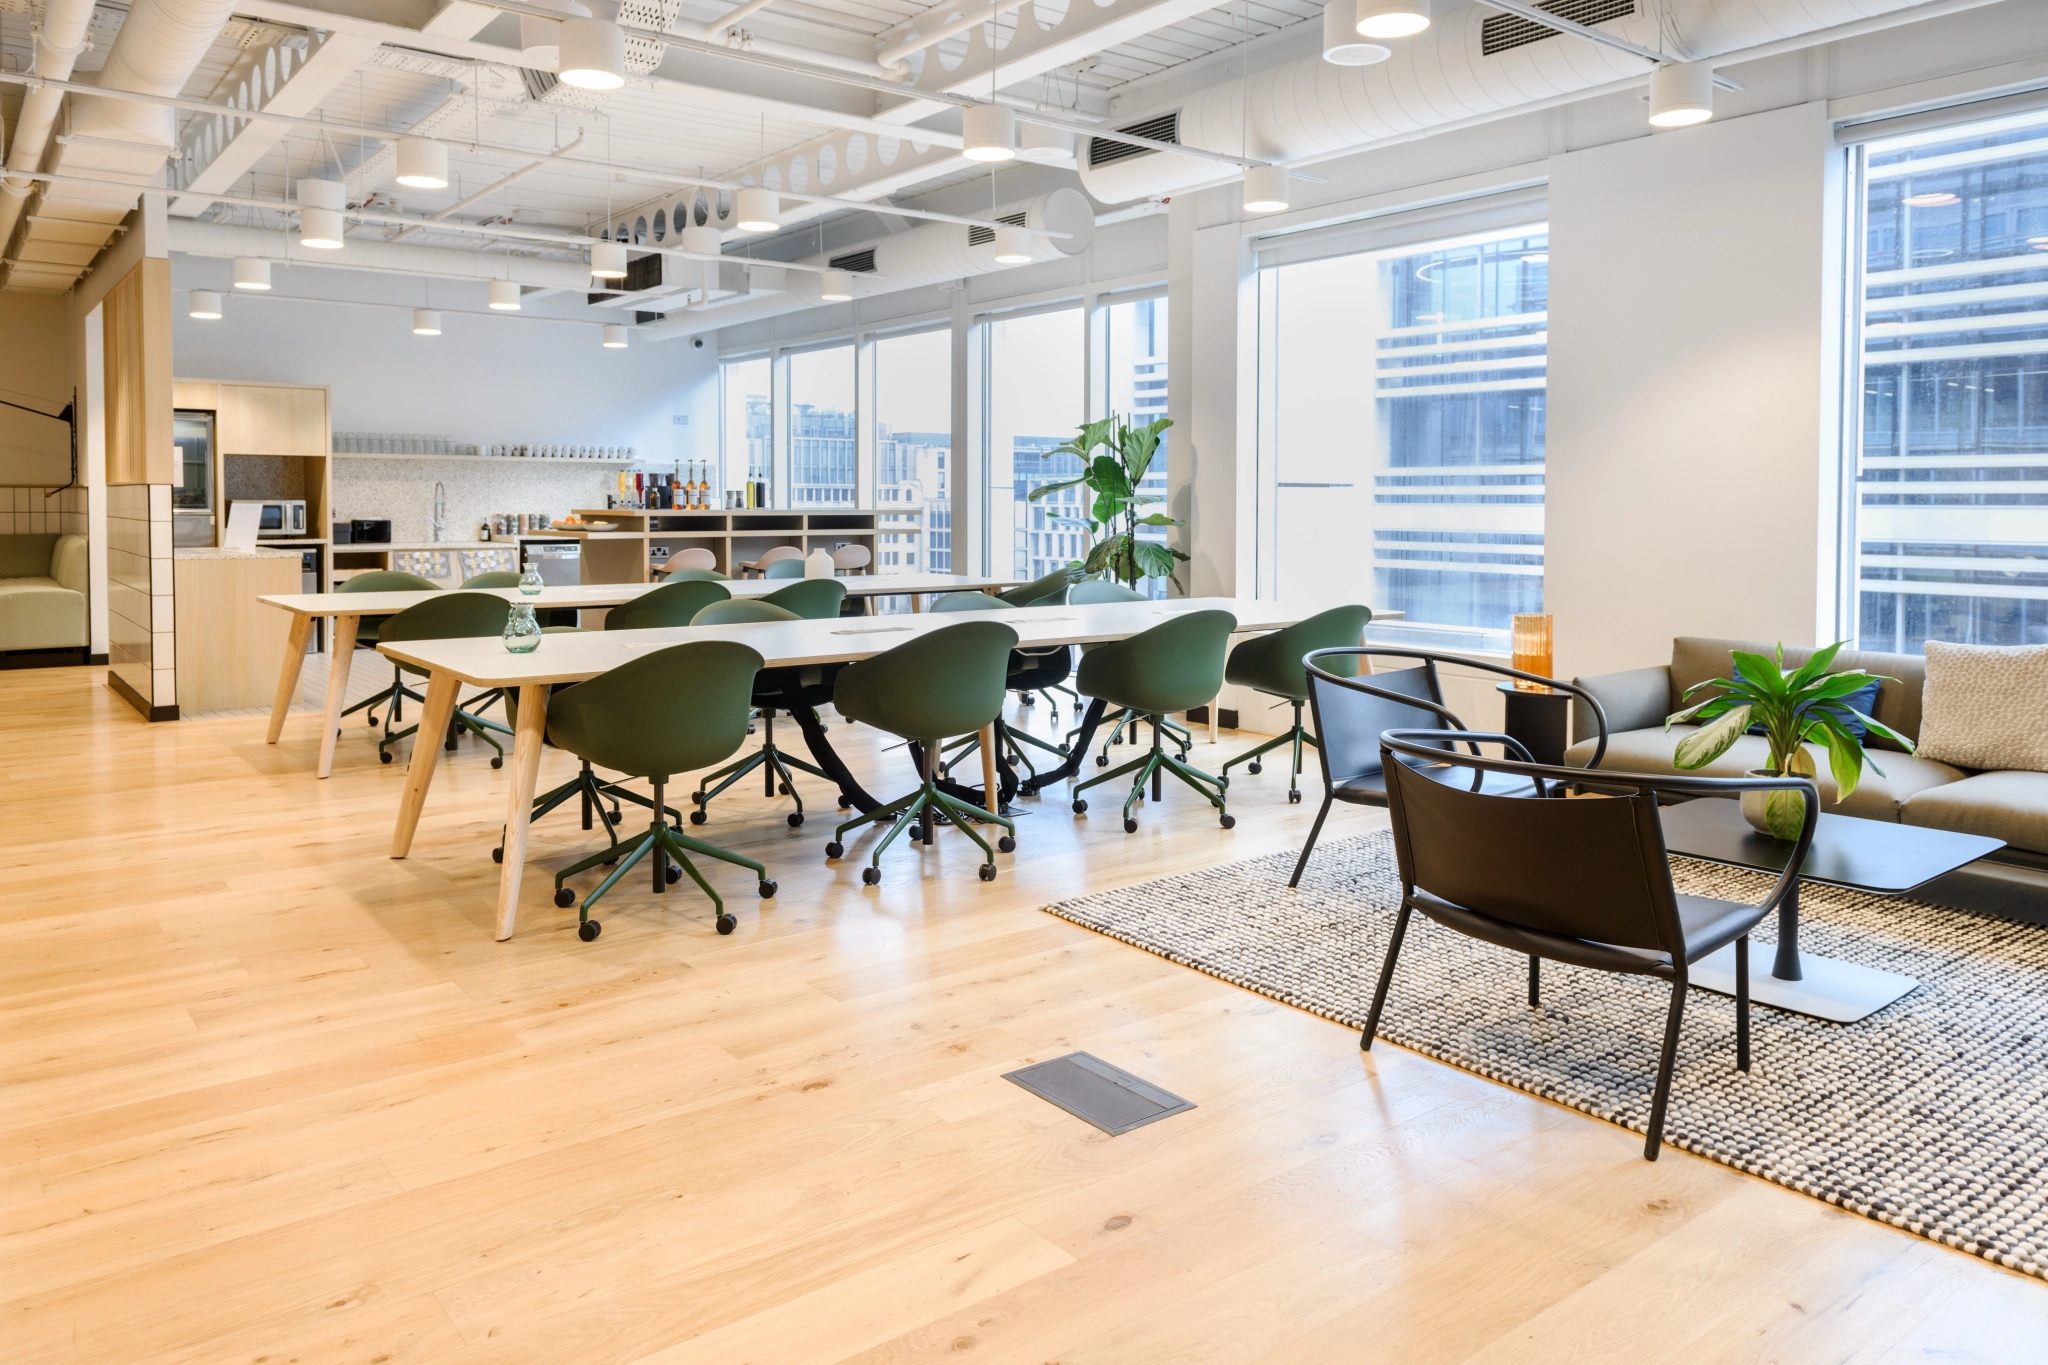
<point x="1796" y="707"/>
<point x="1113" y="519"/>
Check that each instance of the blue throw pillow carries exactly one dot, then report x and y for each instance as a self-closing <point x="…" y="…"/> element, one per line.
<point x="1863" y="699"/>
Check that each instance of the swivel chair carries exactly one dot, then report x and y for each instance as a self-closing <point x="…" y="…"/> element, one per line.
<point x="675" y="603"/>
<point x="813" y="599"/>
<point x="1272" y="664"/>
<point x="384" y="580"/>
<point x="768" y="694"/>
<point x="1171" y="667"/>
<point x="792" y="567"/>
<point x="450" y="616"/>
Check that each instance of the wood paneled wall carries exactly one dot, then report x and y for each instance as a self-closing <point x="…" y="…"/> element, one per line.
<point x="137" y="332"/>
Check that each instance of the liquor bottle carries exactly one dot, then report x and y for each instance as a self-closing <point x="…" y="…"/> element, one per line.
<point x="702" y="488"/>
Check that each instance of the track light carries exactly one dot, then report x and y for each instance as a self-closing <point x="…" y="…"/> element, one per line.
<point x="593" y="54"/>
<point x="1013" y="245"/>
<point x="252" y="272"/>
<point x="614" y="336"/>
<point x="1681" y="94"/>
<point x="1342" y="45"/>
<point x="423" y="163"/>
<point x="1265" y="189"/>
<point x="608" y="260"/>
<point x="1049" y="146"/>
<point x="988" y="132"/>
<point x="757" y="210"/>
<point x="320" y="206"/>
<point x="505" y="295"/>
<point x="205" y="304"/>
<point x="1392" y="18"/>
<point x="426" y="322"/>
<point x="836" y="286"/>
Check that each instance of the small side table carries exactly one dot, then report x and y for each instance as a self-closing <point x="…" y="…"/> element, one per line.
<point x="1540" y="720"/>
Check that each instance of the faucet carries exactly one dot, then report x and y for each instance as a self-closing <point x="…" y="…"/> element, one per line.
<point x="438" y="518"/>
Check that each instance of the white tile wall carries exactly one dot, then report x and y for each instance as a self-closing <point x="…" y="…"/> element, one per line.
<point x="26" y="511"/>
<point x="140" y="611"/>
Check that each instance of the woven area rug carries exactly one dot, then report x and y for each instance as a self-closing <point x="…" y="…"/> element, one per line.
<point x="1931" y="1115"/>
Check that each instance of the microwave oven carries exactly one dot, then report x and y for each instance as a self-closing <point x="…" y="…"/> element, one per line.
<point x="277" y="517"/>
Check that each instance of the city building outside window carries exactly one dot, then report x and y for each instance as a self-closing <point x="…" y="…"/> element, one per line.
<point x="1034" y="394"/>
<point x="746" y="444"/>
<point x="822" y="428"/>
<point x="913" y="415"/>
<point x="1131" y="361"/>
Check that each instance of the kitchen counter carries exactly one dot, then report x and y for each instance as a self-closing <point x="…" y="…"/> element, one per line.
<point x="222" y="552"/>
<point x="227" y="642"/>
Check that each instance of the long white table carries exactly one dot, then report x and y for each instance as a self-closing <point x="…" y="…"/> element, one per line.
<point x="782" y="644"/>
<point x="347" y="609"/>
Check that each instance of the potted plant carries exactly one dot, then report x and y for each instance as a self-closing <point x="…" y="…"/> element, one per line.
<point x="1794" y="707"/>
<point x="1112" y="519"/>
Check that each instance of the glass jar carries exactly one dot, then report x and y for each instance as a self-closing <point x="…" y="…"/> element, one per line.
<point x="530" y="584"/>
<point x="522" y="629"/>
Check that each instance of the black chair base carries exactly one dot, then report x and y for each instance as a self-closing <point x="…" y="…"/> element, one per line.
<point x="1151" y="768"/>
<point x="669" y="844"/>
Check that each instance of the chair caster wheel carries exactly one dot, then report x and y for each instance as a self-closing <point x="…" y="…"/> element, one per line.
<point x="766" y="889"/>
<point x="497" y="855"/>
<point x="845" y="801"/>
<point x="726" y="924"/>
<point x="383" y="757"/>
<point x="1006" y="844"/>
<point x="373" y="722"/>
<point x="1229" y="821"/>
<point x="589" y="930"/>
<point x="915" y="834"/>
<point x="1080" y="807"/>
<point x="1130" y="825"/>
<point x="871" y="876"/>
<point x="1102" y="760"/>
<point x="564" y="897"/>
<point x="1066" y="752"/>
<point x="796" y="817"/>
<point x="497" y="760"/>
<point x="1294" y="798"/>
<point x="698" y="817"/>
<point x="988" y="872"/>
<point x="1253" y="767"/>
<point x="782" y="788"/>
<point x="835" y="849"/>
<point x="674" y="874"/>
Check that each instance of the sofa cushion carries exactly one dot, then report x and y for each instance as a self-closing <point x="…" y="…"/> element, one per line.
<point x="40" y="613"/>
<point x="1987" y="706"/>
<point x="1877" y="796"/>
<point x="2012" y="806"/>
<point x="68" y="563"/>
<point x="1695" y="659"/>
<point x="26" y="555"/>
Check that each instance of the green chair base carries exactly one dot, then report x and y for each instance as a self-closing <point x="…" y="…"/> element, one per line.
<point x="595" y="793"/>
<point x="1183" y="738"/>
<point x="777" y="763"/>
<point x="672" y="844"/>
<point x="1150" y="769"/>
<point x="1297" y="735"/>
<point x="1013" y="741"/>
<point x="931" y="804"/>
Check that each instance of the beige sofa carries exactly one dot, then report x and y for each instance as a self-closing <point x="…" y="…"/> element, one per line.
<point x="2012" y="806"/>
<point x="42" y="592"/>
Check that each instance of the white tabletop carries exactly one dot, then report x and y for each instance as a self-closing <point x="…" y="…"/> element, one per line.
<point x="613" y="594"/>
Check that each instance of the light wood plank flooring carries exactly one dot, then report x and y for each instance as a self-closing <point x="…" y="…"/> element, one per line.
<point x="272" y="1097"/>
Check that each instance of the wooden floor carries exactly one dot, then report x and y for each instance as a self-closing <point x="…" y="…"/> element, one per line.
<point x="272" y="1097"/>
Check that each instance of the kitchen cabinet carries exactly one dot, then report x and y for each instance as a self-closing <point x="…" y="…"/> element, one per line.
<point x="272" y="419"/>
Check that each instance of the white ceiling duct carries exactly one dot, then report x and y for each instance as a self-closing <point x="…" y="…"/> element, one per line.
<point x="195" y="238"/>
<point x="59" y="40"/>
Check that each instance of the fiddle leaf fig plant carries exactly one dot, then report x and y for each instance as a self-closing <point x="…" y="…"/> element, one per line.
<point x="1113" y="519"/>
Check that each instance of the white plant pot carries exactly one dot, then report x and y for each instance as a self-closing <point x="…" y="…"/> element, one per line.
<point x="1779" y="814"/>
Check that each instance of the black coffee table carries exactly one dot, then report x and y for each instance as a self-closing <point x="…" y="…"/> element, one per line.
<point x="1874" y="856"/>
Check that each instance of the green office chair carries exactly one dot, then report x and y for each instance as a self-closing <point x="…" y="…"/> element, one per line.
<point x="1049" y="591"/>
<point x="453" y="616"/>
<point x="669" y="712"/>
<point x="1094" y="592"/>
<point x="671" y="604"/>
<point x="813" y="599"/>
<point x="1040" y="669"/>
<point x="696" y="576"/>
<point x="768" y="695"/>
<point x="496" y="578"/>
<point x="1272" y="664"/>
<point x="967" y="601"/>
<point x="945" y="683"/>
<point x="1099" y="590"/>
<point x="784" y="568"/>
<point x="1171" y="667"/>
<point x="384" y="580"/>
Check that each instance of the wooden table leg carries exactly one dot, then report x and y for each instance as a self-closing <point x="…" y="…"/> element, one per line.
<point x="288" y="674"/>
<point x="337" y="686"/>
<point x="426" y="751"/>
<point x="526" y="742"/>
<point x="990" y="790"/>
<point x="917" y="601"/>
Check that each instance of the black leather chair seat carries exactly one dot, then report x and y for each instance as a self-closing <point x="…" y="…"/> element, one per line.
<point x="1708" y="924"/>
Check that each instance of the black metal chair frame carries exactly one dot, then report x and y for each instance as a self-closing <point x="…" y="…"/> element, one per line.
<point x="1430" y="659"/>
<point x="1436" y="747"/>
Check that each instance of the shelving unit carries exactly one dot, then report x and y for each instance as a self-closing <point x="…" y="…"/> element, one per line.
<point x="733" y="536"/>
<point x="489" y="459"/>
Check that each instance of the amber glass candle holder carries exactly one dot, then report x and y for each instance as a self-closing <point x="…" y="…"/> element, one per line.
<point x="1532" y="649"/>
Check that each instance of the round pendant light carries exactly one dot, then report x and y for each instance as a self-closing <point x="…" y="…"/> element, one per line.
<point x="614" y="336"/>
<point x="1681" y="94"/>
<point x="593" y="54"/>
<point x="608" y="260"/>
<point x="1392" y="18"/>
<point x="988" y="132"/>
<point x="423" y="163"/>
<point x="540" y="40"/>
<point x="1342" y="45"/>
<point x="836" y="286"/>
<point x="320" y="206"/>
<point x="1013" y="245"/>
<point x="1265" y="189"/>
<point x="505" y="295"/>
<point x="701" y="240"/>
<point x="205" y="304"/>
<point x="252" y="272"/>
<point x="1048" y="146"/>
<point x="426" y="322"/>
<point x="757" y="210"/>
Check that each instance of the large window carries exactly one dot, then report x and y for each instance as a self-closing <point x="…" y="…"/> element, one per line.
<point x="1034" y="389"/>
<point x="913" y="407"/>
<point x="746" y="447"/>
<point x="1401" y="432"/>
<point x="822" y="439"/>
<point x="1131" y="362"/>
<point x="1949" y="514"/>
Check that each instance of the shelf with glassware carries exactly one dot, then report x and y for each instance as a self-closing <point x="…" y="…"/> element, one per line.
<point x="637" y="542"/>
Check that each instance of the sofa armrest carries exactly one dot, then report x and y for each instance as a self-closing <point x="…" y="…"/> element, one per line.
<point x="1636" y="700"/>
<point x="68" y="563"/>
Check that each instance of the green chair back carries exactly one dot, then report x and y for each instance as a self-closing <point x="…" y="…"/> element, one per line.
<point x="968" y="601"/>
<point x="496" y="578"/>
<point x="814" y="599"/>
<point x="736" y="611"/>
<point x="1049" y="591"/>
<point x="673" y="711"/>
<point x="671" y="604"/>
<point x="1272" y="663"/>
<point x="948" y="682"/>
<point x="382" y="580"/>
<point x="1099" y="590"/>
<point x="1173" y="666"/>
<point x="451" y="616"/>
<point x="697" y="576"/>
<point x="784" y="568"/>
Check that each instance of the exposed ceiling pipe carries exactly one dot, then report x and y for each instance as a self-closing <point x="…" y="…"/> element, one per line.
<point x="227" y="241"/>
<point x="698" y="38"/>
<point x="746" y="11"/>
<point x="59" y="41"/>
<point x="487" y="191"/>
<point x="898" y="54"/>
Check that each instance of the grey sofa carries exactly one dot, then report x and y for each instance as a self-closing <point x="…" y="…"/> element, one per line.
<point x="2012" y="806"/>
<point x="42" y="592"/>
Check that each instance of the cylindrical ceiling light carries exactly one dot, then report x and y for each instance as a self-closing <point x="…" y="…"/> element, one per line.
<point x="701" y="239"/>
<point x="615" y="336"/>
<point x="423" y="163"/>
<point x="505" y="295"/>
<point x="1392" y="18"/>
<point x="426" y="322"/>
<point x="252" y="272"/>
<point x="757" y="210"/>
<point x="593" y="54"/>
<point x="1013" y="245"/>
<point x="988" y="132"/>
<point x="836" y="286"/>
<point x="1681" y="93"/>
<point x="608" y="260"/>
<point x="320" y="206"/>
<point x="1265" y="189"/>
<point x="1341" y="44"/>
<point x="205" y="304"/>
<point x="540" y="40"/>
<point x="1052" y="146"/>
